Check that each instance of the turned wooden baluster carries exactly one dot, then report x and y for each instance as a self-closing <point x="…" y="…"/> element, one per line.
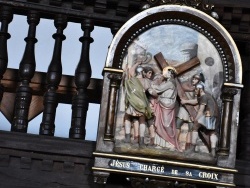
<point x="26" y="72"/>
<point x="80" y="101"/>
<point x="54" y="75"/>
<point x="6" y="17"/>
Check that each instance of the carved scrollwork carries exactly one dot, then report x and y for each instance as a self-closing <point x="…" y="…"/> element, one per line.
<point x="228" y="93"/>
<point x="115" y="79"/>
<point x="199" y="4"/>
<point x="113" y="76"/>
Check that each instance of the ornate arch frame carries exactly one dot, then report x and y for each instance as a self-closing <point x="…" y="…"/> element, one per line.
<point x="230" y="61"/>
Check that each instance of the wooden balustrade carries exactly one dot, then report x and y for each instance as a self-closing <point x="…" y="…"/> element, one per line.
<point x="54" y="76"/>
<point x="25" y="83"/>
<point x="82" y="79"/>
<point x="66" y="88"/>
<point x="6" y="17"/>
<point x="26" y="72"/>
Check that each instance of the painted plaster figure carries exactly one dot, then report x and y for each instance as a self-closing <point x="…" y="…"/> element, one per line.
<point x="137" y="104"/>
<point x="206" y="118"/>
<point x="165" y="109"/>
<point x="148" y="73"/>
<point x="183" y="116"/>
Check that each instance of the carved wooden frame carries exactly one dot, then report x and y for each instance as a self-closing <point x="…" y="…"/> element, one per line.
<point x="232" y="78"/>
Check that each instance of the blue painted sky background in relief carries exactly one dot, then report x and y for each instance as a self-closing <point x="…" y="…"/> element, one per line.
<point x="169" y="40"/>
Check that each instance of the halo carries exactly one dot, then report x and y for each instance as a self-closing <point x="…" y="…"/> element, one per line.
<point x="168" y="68"/>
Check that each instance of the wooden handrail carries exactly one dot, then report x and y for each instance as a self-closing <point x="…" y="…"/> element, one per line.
<point x="66" y="88"/>
<point x="103" y="13"/>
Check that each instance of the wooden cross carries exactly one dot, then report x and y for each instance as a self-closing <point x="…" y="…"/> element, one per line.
<point x="179" y="70"/>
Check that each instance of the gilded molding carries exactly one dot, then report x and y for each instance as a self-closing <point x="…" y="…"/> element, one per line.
<point x="163" y="177"/>
<point x="228" y="93"/>
<point x="233" y="85"/>
<point x="160" y="161"/>
<point x="113" y="76"/>
<point x="107" y="69"/>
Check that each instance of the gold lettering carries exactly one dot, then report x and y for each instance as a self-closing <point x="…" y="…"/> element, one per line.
<point x="188" y="173"/>
<point x="207" y="175"/>
<point x="153" y="168"/>
<point x="118" y="164"/>
<point x="200" y="174"/>
<point x="141" y="166"/>
<point x="113" y="163"/>
<point x="145" y="167"/>
<point x="174" y="172"/>
<point x="149" y="168"/>
<point x="128" y="165"/>
<point x="162" y="169"/>
<point x="216" y="176"/>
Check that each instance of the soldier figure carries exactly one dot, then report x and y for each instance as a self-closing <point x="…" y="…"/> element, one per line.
<point x="206" y="118"/>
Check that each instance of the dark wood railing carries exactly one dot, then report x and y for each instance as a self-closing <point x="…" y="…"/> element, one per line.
<point x="78" y="90"/>
<point x="37" y="160"/>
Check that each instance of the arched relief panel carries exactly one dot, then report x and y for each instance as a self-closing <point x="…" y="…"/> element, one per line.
<point x="183" y="16"/>
<point x="172" y="84"/>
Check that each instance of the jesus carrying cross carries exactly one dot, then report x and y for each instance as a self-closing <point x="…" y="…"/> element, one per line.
<point x="167" y="88"/>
